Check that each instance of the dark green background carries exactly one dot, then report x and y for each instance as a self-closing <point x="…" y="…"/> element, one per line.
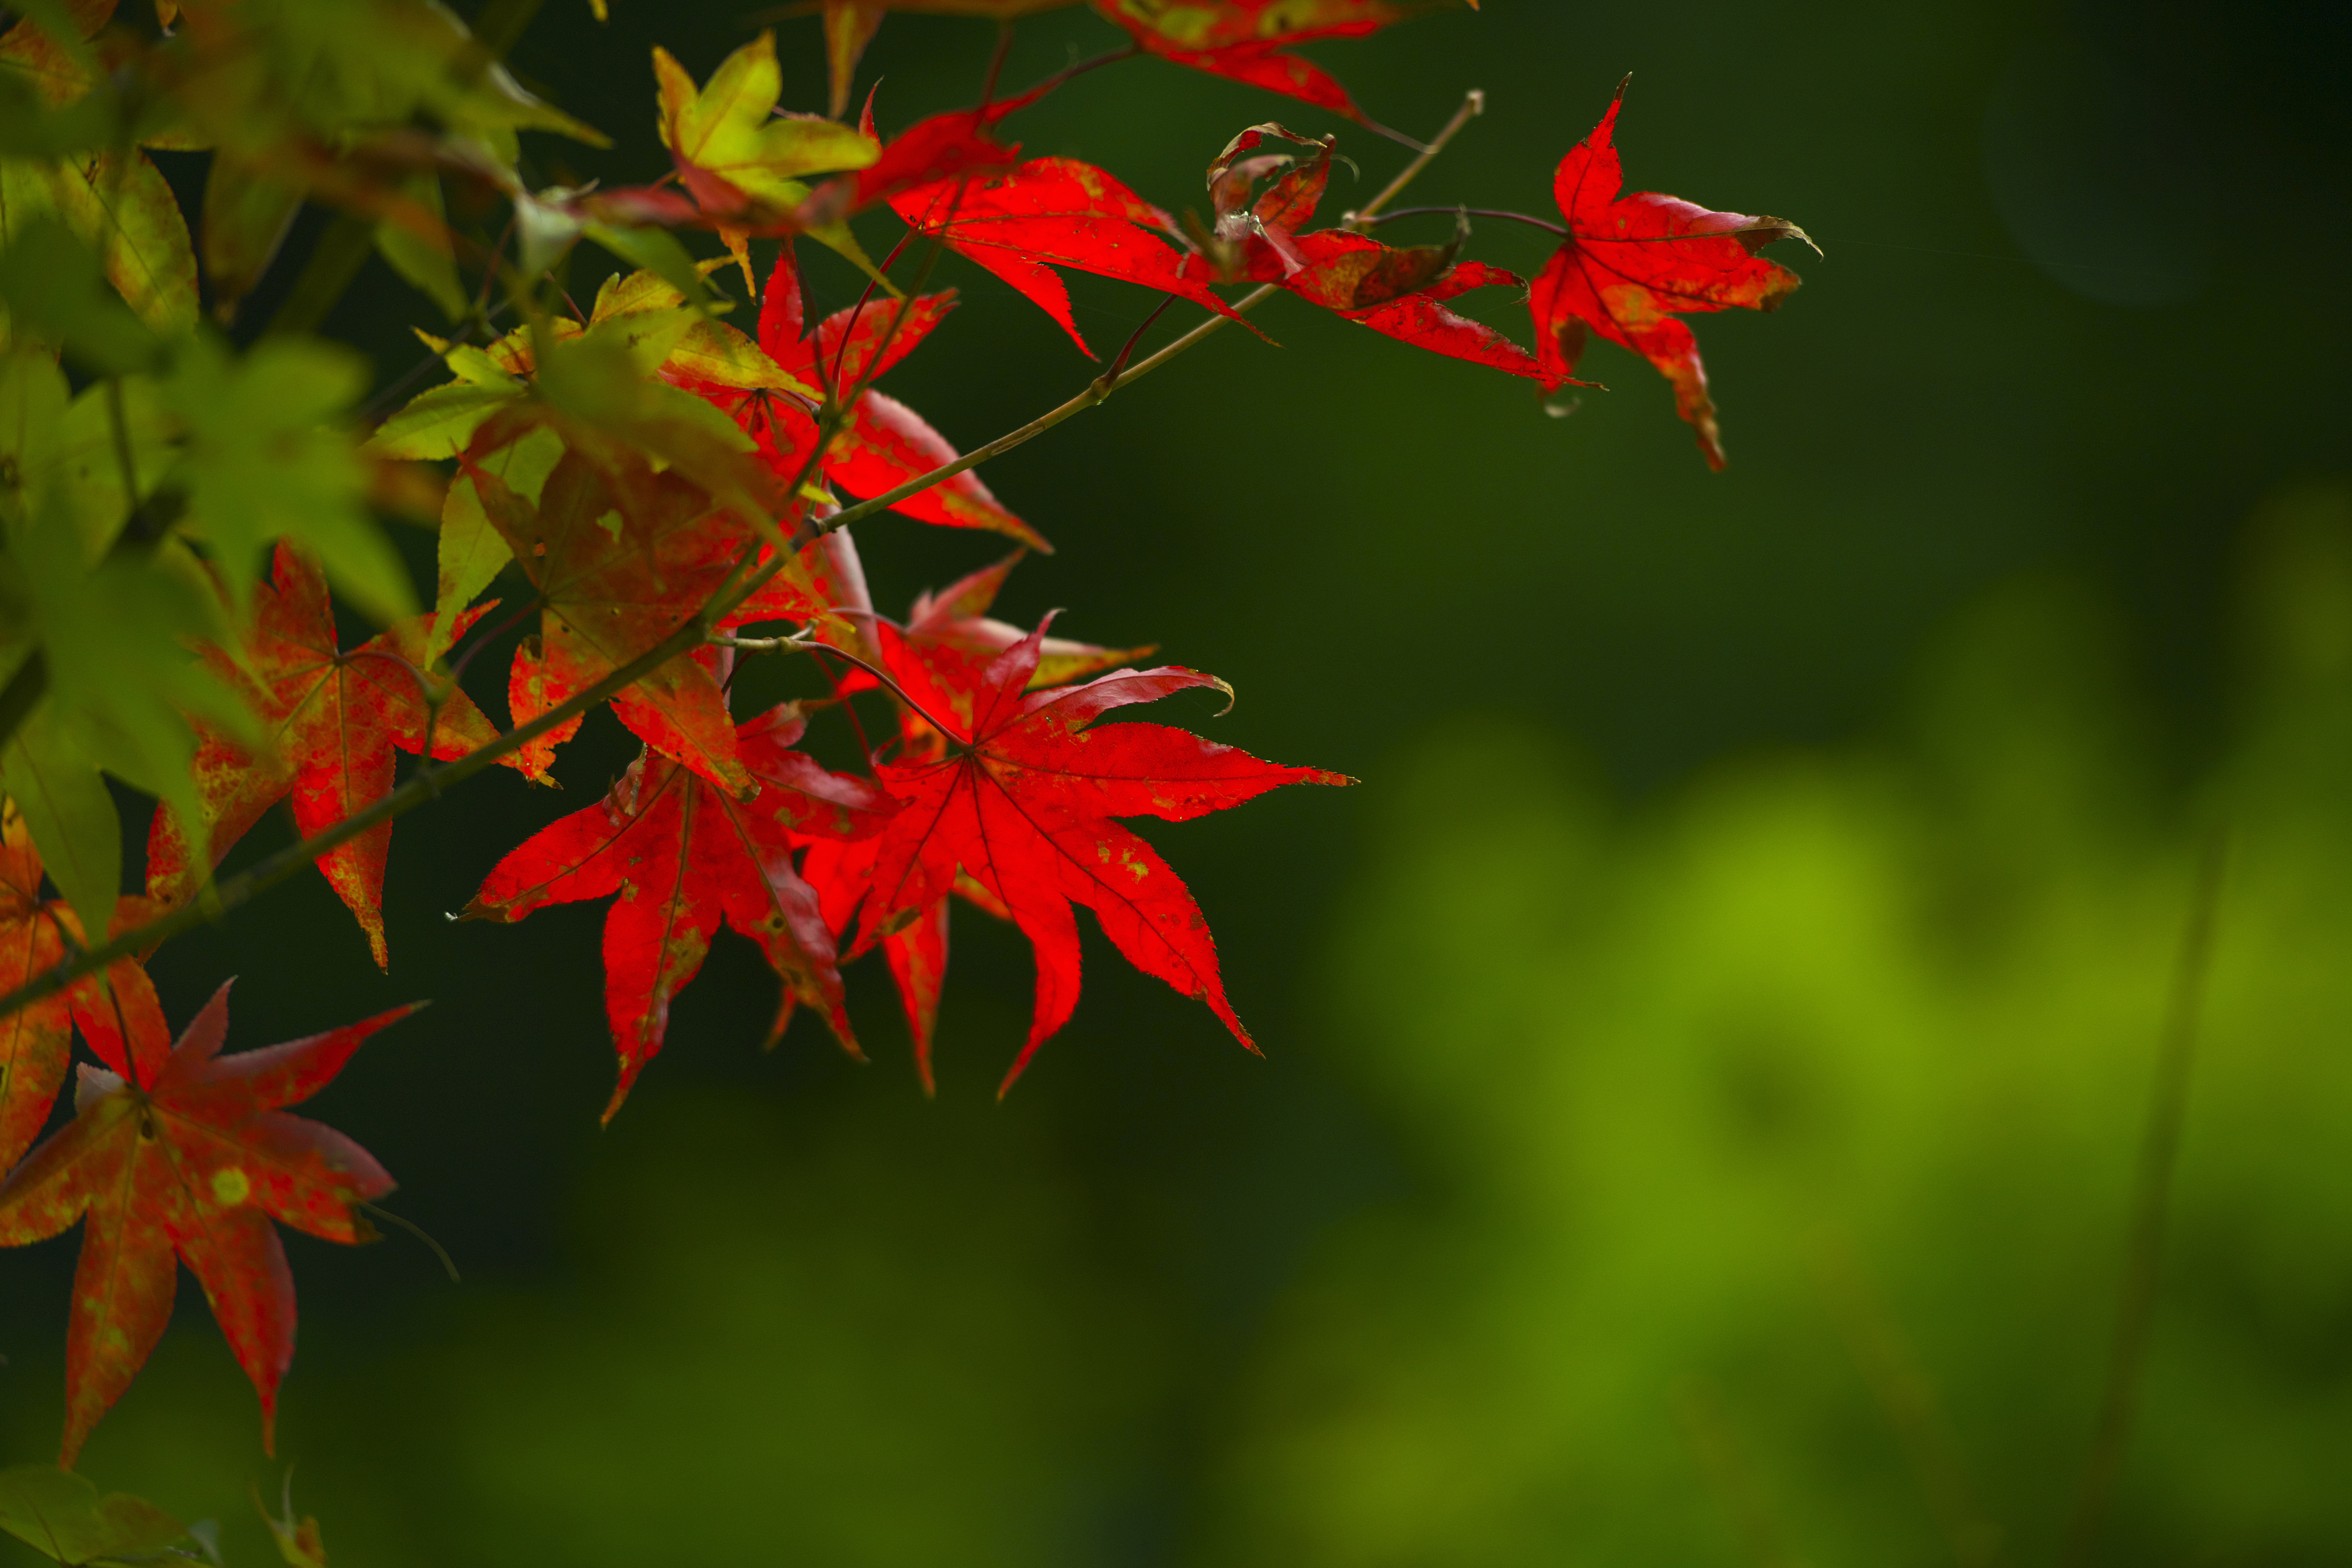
<point x="1749" y="869"/>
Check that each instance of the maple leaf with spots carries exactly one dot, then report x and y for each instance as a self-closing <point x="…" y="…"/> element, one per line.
<point x="179" y="1153"/>
<point x="621" y="556"/>
<point x="1018" y="796"/>
<point x="334" y="717"/>
<point x="683" y="857"/>
<point x="1633" y="265"/>
<point x="944" y="646"/>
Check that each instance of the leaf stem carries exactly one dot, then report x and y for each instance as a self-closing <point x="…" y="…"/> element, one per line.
<point x="1473" y="103"/>
<point x="1364" y="221"/>
<point x="996" y="62"/>
<point x="429" y="780"/>
<point x="420" y="1233"/>
<point x="2151" y="1198"/>
<point x="805" y="645"/>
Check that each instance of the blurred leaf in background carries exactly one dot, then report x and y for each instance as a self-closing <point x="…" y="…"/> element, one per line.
<point x="1773" y="1146"/>
<point x="1778" y="1137"/>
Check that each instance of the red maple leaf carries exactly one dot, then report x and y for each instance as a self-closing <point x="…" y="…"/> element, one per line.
<point x="189" y="1154"/>
<point x="952" y="146"/>
<point x="35" y="1040"/>
<point x="1397" y="292"/>
<point x="883" y="443"/>
<point x="683" y="857"/>
<point x="334" y="718"/>
<point x="1250" y="40"/>
<point x="1633" y="264"/>
<point x="949" y="631"/>
<point x="1020" y="798"/>
<point x="1057" y="212"/>
<point x="955" y="622"/>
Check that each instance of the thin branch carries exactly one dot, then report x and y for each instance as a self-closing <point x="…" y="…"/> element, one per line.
<point x="1096" y="391"/>
<point x="1081" y="67"/>
<point x="1364" y="221"/>
<point x="2151" y="1197"/>
<point x="1473" y="103"/>
<point x="799" y="642"/>
<point x="454" y="680"/>
<point x="806" y="645"/>
<point x="856" y="725"/>
<point x="746" y="579"/>
<point x="1891" y="1367"/>
<point x="827" y="381"/>
<point x="1127" y="350"/>
<point x="420" y="1233"/>
<point x="996" y="61"/>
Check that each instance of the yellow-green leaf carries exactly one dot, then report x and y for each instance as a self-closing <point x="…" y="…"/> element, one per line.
<point x="439" y="423"/>
<point x="728" y="130"/>
<point x="120" y="203"/>
<point x="717" y="354"/>
<point x="473" y="551"/>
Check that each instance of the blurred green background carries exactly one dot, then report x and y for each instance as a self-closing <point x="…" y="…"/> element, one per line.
<point x="1705" y="1059"/>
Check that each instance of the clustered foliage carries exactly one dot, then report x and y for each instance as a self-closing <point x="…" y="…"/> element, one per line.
<point x="666" y="492"/>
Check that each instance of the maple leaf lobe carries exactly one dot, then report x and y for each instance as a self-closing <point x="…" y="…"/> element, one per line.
<point x="190" y="1159"/>
<point x="1633" y="265"/>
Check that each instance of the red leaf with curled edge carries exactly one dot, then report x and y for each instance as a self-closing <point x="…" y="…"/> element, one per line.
<point x="683" y="857"/>
<point x="1397" y="292"/>
<point x="1057" y="212"/>
<point x="334" y="718"/>
<point x="1250" y="40"/>
<point x="1356" y="277"/>
<point x="1633" y="264"/>
<point x="883" y="443"/>
<point x="1286" y="205"/>
<point x="1021" y="798"/>
<point x="191" y="1157"/>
